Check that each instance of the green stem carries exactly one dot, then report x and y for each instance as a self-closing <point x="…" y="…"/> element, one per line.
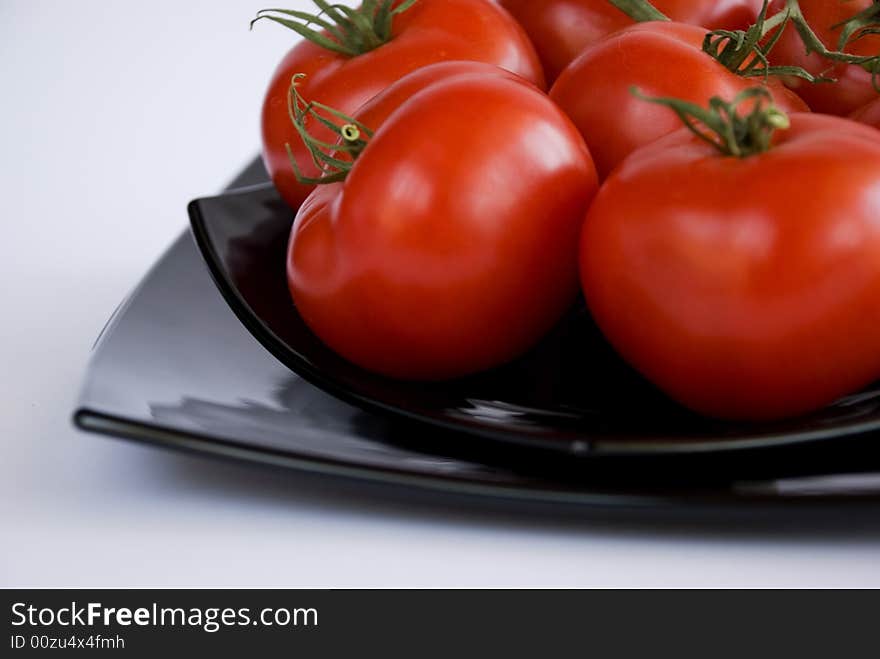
<point x="813" y="44"/>
<point x="639" y="10"/>
<point x="341" y="29"/>
<point x="861" y="25"/>
<point x="350" y="131"/>
<point x="724" y="128"/>
<point x="746" y="52"/>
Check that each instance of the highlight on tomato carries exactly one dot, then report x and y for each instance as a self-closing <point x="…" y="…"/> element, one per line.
<point x="444" y="243"/>
<point x="662" y="59"/>
<point x="736" y="262"/>
<point x="350" y="55"/>
<point x="562" y="29"/>
<point x="848" y="27"/>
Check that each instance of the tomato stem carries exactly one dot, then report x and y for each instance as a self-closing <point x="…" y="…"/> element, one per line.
<point x="724" y="128"/>
<point x="340" y="29"/>
<point x="813" y="43"/>
<point x="639" y="10"/>
<point x="861" y="25"/>
<point x="746" y="52"/>
<point x="324" y="155"/>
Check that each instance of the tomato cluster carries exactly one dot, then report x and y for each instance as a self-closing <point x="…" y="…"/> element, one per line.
<point x="710" y="184"/>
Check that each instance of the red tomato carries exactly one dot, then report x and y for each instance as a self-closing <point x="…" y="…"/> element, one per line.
<point x="745" y="288"/>
<point x="660" y="59"/>
<point x="853" y="88"/>
<point x="430" y="31"/>
<point x="870" y="114"/>
<point x="376" y="111"/>
<point x="451" y="247"/>
<point x="562" y="29"/>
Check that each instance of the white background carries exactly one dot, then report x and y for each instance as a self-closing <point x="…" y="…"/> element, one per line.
<point x="112" y="116"/>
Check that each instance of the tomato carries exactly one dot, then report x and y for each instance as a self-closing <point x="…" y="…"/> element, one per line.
<point x="870" y="114"/>
<point x="428" y="32"/>
<point x="376" y="111"/>
<point x="451" y="246"/>
<point x="562" y="29"/>
<point x="746" y="288"/>
<point x="853" y="88"/>
<point x="659" y="59"/>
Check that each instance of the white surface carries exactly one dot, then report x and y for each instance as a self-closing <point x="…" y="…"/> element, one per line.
<point x="113" y="115"/>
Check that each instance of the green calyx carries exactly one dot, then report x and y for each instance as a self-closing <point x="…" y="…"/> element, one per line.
<point x="342" y="29"/>
<point x="746" y="52"/>
<point x="353" y="137"/>
<point x="724" y="128"/>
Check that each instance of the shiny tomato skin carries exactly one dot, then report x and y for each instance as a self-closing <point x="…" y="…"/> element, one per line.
<point x="375" y="111"/>
<point x="853" y="88"/>
<point x="745" y="288"/>
<point x="562" y="29"/>
<point x="431" y="31"/>
<point x="452" y="245"/>
<point x="659" y="59"/>
<point x="870" y="114"/>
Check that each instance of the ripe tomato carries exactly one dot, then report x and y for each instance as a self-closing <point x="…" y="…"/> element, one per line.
<point x="853" y="88"/>
<point x="562" y="29"/>
<point x="376" y="111"/>
<point x="870" y="114"/>
<point x="428" y="32"/>
<point x="451" y="247"/>
<point x="746" y="288"/>
<point x="660" y="59"/>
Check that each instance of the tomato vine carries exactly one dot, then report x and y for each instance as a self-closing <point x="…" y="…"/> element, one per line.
<point x="745" y="51"/>
<point x="639" y="10"/>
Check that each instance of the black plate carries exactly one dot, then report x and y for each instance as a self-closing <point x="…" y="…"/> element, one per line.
<point x="174" y="367"/>
<point x="571" y="395"/>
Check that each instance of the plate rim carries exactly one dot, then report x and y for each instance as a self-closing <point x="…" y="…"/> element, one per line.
<point x="539" y="492"/>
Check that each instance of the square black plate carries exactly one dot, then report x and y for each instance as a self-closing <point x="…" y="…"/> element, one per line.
<point x="175" y="367"/>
